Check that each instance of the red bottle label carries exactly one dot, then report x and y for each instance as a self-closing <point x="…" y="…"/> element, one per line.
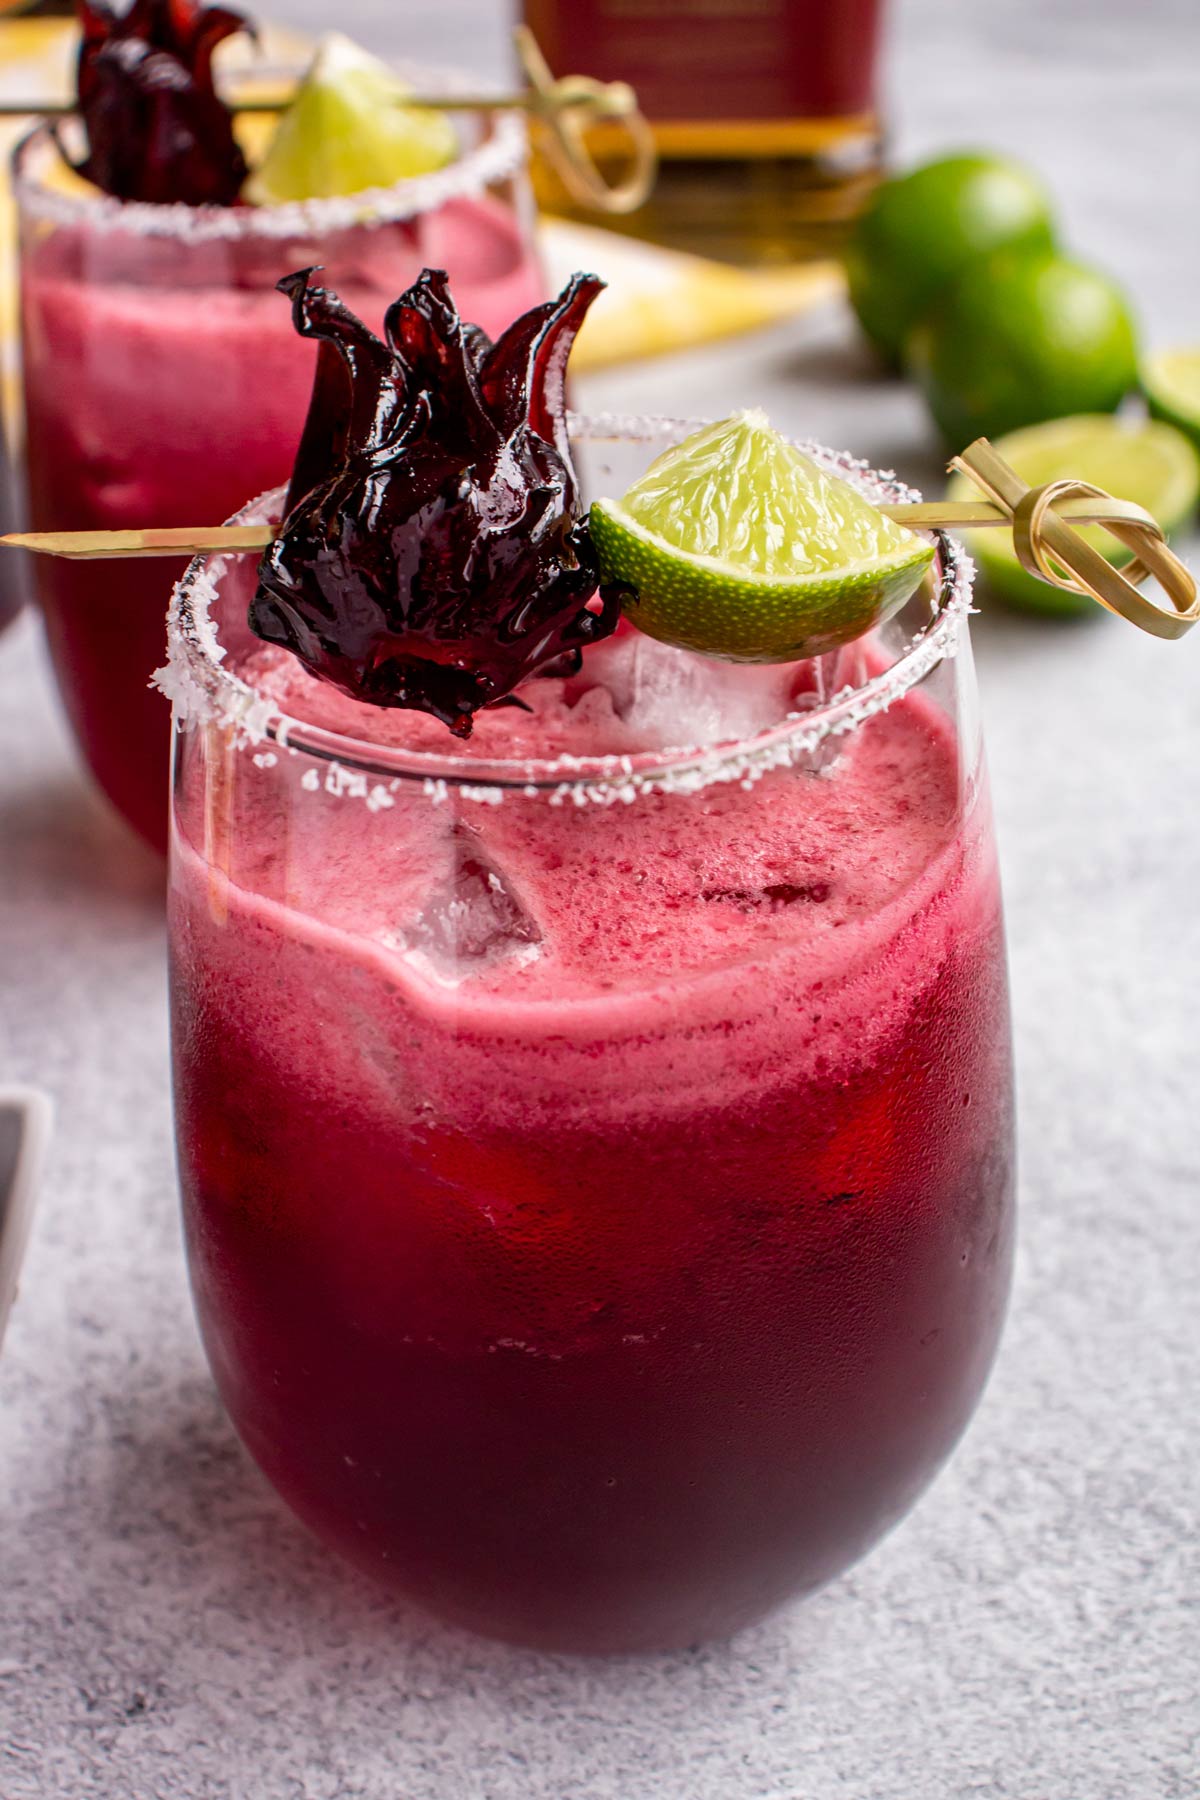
<point x="720" y="59"/>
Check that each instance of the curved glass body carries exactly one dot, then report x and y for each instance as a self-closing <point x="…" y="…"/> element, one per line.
<point x="13" y="570"/>
<point x="597" y="1173"/>
<point x="164" y="383"/>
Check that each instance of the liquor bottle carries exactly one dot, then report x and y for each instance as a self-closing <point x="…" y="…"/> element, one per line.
<point x="765" y="114"/>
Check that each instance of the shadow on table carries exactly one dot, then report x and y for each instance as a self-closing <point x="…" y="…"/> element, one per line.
<point x="187" y="1541"/>
<point x="1003" y="632"/>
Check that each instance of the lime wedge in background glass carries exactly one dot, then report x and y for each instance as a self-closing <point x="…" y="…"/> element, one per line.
<point x="1132" y="459"/>
<point x="1171" y="383"/>
<point x="346" y="129"/>
<point x="739" y="546"/>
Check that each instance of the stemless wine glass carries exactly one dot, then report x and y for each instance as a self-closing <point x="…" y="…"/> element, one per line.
<point x="163" y="383"/>
<point x="596" y="1164"/>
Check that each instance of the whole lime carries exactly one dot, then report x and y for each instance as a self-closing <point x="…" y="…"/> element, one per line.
<point x="920" y="230"/>
<point x="1021" y="336"/>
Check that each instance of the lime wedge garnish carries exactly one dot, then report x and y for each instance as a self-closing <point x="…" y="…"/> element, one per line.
<point x="1132" y="459"/>
<point x="348" y="128"/>
<point x="1171" y="382"/>
<point x="739" y="546"/>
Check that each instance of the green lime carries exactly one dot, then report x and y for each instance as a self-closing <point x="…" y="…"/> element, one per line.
<point x="347" y="129"/>
<point x="738" y="546"/>
<point x="1171" y="384"/>
<point x="1022" y="336"/>
<point x="1132" y="459"/>
<point x="922" y="229"/>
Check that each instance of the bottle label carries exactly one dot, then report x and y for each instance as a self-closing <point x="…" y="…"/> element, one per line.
<point x="720" y="60"/>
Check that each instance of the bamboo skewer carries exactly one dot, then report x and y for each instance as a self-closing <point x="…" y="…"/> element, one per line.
<point x="37" y="109"/>
<point x="258" y="75"/>
<point x="962" y="515"/>
<point x="176" y="540"/>
<point x="1041" y="520"/>
<point x="573" y="90"/>
<point x="1047" y="547"/>
<point x="562" y="108"/>
<point x="945" y="515"/>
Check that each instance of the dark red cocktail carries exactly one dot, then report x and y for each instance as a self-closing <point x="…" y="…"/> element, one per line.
<point x="598" y="1177"/>
<point x="164" y="384"/>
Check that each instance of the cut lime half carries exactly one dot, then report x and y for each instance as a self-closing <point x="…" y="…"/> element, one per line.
<point x="347" y="129"/>
<point x="739" y="546"/>
<point x="1171" y="384"/>
<point x="1132" y="459"/>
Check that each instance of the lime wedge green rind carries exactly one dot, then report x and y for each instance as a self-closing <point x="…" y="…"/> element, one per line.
<point x="1171" y="384"/>
<point x="696" y="602"/>
<point x="1145" y="461"/>
<point x="347" y="129"/>
<point x="738" y="546"/>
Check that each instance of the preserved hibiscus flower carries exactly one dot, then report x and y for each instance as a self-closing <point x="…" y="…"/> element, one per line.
<point x="432" y="555"/>
<point x="156" y="128"/>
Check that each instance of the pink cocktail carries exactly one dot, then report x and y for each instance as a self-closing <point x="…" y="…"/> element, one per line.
<point x="597" y="1156"/>
<point x="164" y="383"/>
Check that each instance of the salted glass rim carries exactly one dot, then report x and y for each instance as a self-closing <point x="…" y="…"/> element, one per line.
<point x="500" y="155"/>
<point x="204" y="692"/>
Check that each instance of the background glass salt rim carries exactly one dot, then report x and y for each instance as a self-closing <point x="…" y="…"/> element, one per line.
<point x="204" y="693"/>
<point x="498" y="157"/>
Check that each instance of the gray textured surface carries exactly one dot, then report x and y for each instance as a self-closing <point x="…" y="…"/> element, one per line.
<point x="1031" y="1633"/>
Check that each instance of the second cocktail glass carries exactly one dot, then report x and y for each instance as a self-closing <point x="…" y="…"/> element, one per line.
<point x="596" y="1155"/>
<point x="164" y="382"/>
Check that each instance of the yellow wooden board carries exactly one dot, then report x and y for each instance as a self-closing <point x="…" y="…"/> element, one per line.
<point x="659" y="301"/>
